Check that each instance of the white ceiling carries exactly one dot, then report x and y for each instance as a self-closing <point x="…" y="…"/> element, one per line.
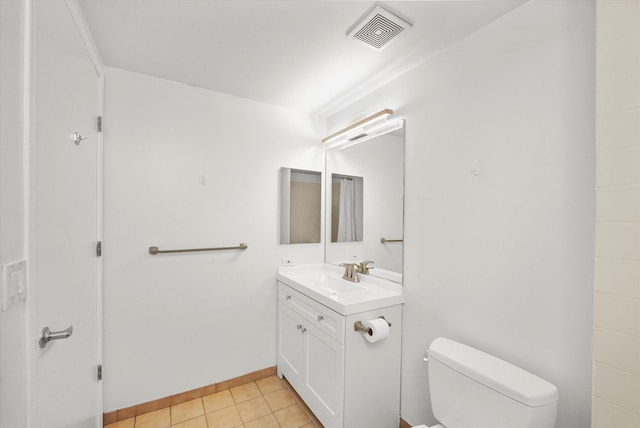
<point x="289" y="53"/>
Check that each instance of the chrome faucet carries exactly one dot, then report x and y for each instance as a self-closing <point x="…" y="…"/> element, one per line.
<point x="363" y="267"/>
<point x="350" y="272"/>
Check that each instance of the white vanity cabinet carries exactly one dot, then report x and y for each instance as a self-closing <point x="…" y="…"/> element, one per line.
<point x="311" y="353"/>
<point x="345" y="380"/>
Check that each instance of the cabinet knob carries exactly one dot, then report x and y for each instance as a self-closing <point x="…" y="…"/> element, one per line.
<point x="320" y="317"/>
<point x="299" y="326"/>
<point x="303" y="329"/>
<point x="287" y="297"/>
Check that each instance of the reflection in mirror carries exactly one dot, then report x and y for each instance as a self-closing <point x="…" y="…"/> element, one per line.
<point x="346" y="208"/>
<point x="300" y="206"/>
<point x="378" y="162"/>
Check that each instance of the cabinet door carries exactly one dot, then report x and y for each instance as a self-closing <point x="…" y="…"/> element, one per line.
<point x="324" y="376"/>
<point x="290" y="346"/>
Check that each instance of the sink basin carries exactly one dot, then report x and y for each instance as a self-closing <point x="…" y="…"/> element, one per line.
<point x="324" y="283"/>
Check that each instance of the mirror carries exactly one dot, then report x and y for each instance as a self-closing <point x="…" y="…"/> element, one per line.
<point x="372" y="174"/>
<point x="300" y="206"/>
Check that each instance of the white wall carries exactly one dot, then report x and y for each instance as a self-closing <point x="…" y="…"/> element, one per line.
<point x="177" y="322"/>
<point x="616" y="343"/>
<point x="13" y="358"/>
<point x="502" y="261"/>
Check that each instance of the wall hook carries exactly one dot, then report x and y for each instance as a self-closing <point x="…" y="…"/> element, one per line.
<point x="77" y="138"/>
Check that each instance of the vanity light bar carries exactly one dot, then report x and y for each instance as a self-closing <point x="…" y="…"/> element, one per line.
<point x="382" y="114"/>
<point x="364" y="133"/>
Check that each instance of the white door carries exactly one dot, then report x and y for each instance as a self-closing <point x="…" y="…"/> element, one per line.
<point x="64" y="222"/>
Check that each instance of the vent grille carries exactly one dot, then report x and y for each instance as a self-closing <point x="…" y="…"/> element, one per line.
<point x="378" y="31"/>
<point x="377" y="28"/>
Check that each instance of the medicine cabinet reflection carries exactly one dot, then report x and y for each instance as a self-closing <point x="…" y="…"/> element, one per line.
<point x="365" y="194"/>
<point x="301" y="206"/>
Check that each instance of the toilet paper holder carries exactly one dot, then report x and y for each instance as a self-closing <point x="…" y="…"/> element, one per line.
<point x="358" y="326"/>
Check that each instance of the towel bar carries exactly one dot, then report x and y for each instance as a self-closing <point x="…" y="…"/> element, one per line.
<point x="155" y="250"/>
<point x="385" y="240"/>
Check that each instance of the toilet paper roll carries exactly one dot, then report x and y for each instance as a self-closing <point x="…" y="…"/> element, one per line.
<point x="379" y="330"/>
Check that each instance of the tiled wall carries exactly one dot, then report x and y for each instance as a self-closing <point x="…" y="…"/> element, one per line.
<point x="616" y="379"/>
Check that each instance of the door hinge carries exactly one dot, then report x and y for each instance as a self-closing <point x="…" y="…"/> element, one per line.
<point x="99" y="371"/>
<point x="99" y="249"/>
<point x="99" y="123"/>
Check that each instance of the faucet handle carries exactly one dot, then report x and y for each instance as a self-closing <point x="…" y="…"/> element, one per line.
<point x="363" y="267"/>
<point x="350" y="271"/>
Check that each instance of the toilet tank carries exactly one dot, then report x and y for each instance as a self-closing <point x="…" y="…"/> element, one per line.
<point x="472" y="389"/>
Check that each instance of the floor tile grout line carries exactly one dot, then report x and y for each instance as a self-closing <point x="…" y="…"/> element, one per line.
<point x="312" y="419"/>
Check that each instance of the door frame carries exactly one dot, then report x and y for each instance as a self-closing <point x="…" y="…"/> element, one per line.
<point x="28" y="145"/>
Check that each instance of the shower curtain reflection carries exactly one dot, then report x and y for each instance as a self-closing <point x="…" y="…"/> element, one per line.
<point x="346" y="217"/>
<point x="346" y="225"/>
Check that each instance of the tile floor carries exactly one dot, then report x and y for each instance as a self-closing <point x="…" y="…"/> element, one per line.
<point x="265" y="403"/>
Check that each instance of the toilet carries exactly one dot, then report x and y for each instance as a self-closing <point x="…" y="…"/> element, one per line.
<point x="472" y="389"/>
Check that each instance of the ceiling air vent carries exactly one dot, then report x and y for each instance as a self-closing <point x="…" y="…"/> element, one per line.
<point x="377" y="28"/>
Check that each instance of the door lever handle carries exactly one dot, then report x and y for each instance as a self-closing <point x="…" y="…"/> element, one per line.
<point x="48" y="335"/>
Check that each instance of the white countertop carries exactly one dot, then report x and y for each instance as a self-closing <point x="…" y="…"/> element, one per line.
<point x="324" y="284"/>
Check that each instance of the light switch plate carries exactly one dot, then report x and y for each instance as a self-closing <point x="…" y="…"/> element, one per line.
<point x="14" y="283"/>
